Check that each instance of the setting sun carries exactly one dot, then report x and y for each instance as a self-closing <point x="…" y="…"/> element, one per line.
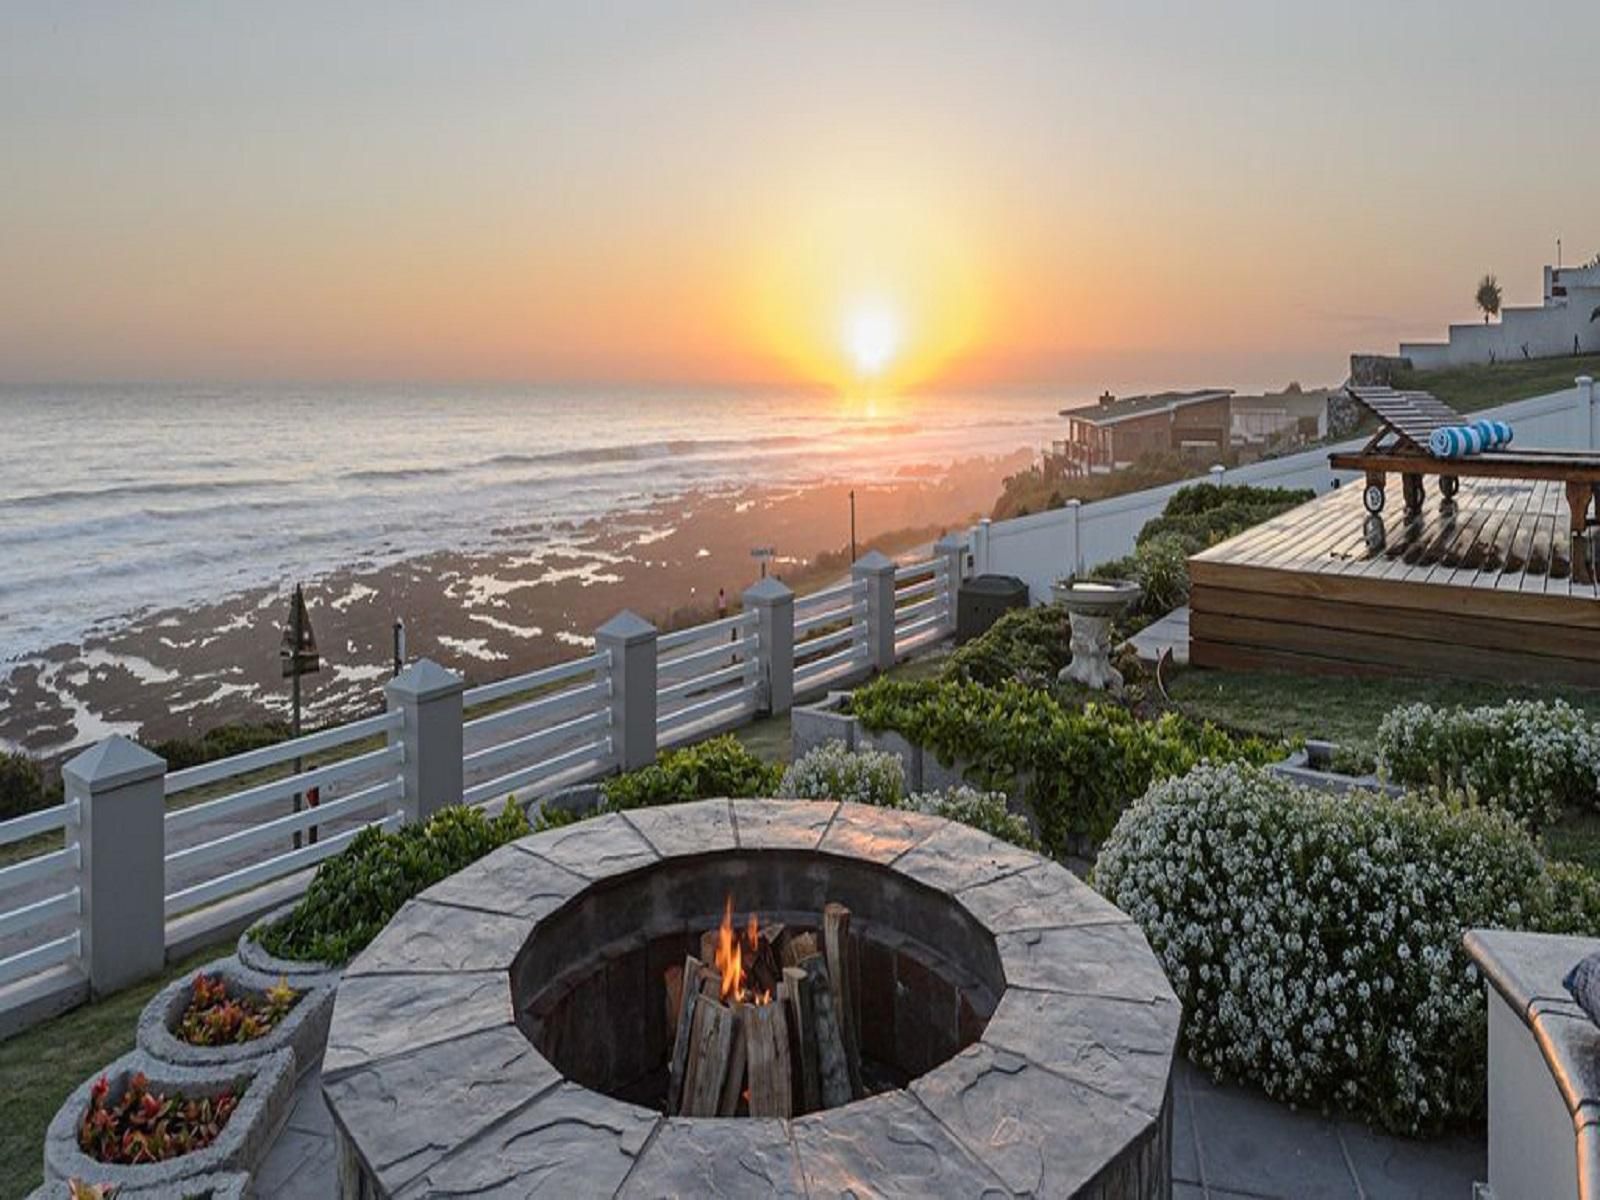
<point x="872" y="338"/>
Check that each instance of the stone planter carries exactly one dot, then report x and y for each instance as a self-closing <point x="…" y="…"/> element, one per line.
<point x="1310" y="767"/>
<point x="300" y="973"/>
<point x="814" y="725"/>
<point x="234" y="1186"/>
<point x="936" y="777"/>
<point x="265" y="1088"/>
<point x="303" y="1031"/>
<point x="889" y="742"/>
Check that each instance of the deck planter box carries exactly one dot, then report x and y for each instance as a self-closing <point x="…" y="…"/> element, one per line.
<point x="303" y="1030"/>
<point x="300" y="973"/>
<point x="264" y="1086"/>
<point x="814" y="725"/>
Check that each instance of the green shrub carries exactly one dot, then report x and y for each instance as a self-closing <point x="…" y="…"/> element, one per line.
<point x="831" y="772"/>
<point x="721" y="766"/>
<point x="22" y="787"/>
<point x="1315" y="938"/>
<point x="981" y="810"/>
<point x="222" y="742"/>
<point x="1197" y="498"/>
<point x="1077" y="769"/>
<point x="1530" y="757"/>
<point x="1031" y="644"/>
<point x="355" y="893"/>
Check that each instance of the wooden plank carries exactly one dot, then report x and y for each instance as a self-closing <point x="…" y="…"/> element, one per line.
<point x="1408" y="623"/>
<point x="710" y="1044"/>
<point x="1430" y="657"/>
<point x="690" y="971"/>
<point x="833" y="1072"/>
<point x="766" y="1031"/>
<point x="734" y="1073"/>
<point x="803" y="1037"/>
<point x="1576" y="612"/>
<point x="836" y="949"/>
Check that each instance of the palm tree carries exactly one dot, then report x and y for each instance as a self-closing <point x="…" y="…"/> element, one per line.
<point x="1489" y="297"/>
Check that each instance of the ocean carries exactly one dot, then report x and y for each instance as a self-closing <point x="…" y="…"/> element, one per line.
<point x="117" y="500"/>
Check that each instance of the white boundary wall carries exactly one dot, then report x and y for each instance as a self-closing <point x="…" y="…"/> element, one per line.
<point x="1043" y="547"/>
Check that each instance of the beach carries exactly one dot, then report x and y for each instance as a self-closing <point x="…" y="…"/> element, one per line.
<point x="534" y="598"/>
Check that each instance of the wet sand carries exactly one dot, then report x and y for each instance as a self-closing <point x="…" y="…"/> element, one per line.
<point x="534" y="601"/>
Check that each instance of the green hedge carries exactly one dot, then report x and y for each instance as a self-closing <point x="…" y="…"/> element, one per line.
<point x="1315" y="938"/>
<point x="1078" y="769"/>
<point x="1532" y="758"/>
<point x="721" y="766"/>
<point x="22" y="786"/>
<point x="355" y="893"/>
<point x="224" y="741"/>
<point x="1031" y="644"/>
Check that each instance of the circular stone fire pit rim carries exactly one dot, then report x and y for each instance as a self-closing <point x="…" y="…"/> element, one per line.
<point x="1081" y="1037"/>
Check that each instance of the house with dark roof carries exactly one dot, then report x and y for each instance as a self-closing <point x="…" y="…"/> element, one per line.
<point x="1116" y="431"/>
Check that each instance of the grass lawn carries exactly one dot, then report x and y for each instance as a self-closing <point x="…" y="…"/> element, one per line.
<point x="1468" y="389"/>
<point x="40" y="1067"/>
<point x="1338" y="709"/>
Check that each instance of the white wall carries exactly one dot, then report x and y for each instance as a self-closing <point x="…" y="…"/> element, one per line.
<point x="1044" y="547"/>
<point x="1547" y="331"/>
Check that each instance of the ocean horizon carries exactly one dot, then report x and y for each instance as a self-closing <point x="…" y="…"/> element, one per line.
<point x="107" y="513"/>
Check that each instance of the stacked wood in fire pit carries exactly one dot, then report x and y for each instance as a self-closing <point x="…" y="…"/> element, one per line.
<point x="763" y="1022"/>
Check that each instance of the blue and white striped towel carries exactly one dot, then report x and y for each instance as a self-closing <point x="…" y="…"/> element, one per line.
<point x="1460" y="441"/>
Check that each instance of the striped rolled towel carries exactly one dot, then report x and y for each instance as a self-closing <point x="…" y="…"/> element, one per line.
<point x="1460" y="441"/>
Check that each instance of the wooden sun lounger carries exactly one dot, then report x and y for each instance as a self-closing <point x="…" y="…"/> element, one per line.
<point x="1408" y="419"/>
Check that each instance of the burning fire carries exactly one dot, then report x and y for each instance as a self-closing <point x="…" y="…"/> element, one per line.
<point x="732" y="955"/>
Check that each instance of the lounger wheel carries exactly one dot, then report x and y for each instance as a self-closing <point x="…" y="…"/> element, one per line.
<point x="1372" y="498"/>
<point x="1449" y="485"/>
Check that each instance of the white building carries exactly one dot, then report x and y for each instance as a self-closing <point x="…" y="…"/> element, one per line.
<point x="1564" y="324"/>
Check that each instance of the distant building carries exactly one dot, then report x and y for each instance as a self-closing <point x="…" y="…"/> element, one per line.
<point x="1117" y="431"/>
<point x="1277" y="419"/>
<point x="1563" y="324"/>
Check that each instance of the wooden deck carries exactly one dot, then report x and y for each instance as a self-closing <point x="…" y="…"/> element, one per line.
<point x="1483" y="587"/>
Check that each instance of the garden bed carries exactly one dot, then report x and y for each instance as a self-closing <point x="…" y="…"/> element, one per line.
<point x="263" y="1087"/>
<point x="302" y="1029"/>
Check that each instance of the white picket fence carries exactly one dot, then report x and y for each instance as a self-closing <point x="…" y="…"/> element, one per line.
<point x="1043" y="547"/>
<point x="143" y="847"/>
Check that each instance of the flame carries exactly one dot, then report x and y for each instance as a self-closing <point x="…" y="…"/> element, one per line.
<point x="731" y="955"/>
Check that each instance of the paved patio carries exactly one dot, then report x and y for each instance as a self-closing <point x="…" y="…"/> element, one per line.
<point x="1227" y="1144"/>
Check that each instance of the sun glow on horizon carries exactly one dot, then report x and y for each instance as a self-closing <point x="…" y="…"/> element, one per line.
<point x="872" y="336"/>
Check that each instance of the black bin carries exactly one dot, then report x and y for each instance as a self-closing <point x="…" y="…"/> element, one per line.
<point x="982" y="600"/>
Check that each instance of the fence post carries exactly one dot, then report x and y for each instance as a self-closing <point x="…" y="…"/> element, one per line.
<point x="952" y="548"/>
<point x="1218" y="474"/>
<point x="120" y="788"/>
<point x="1588" y="413"/>
<point x="430" y="697"/>
<point x="632" y="643"/>
<point x="877" y="569"/>
<point x="1075" y="531"/>
<point x="773" y="603"/>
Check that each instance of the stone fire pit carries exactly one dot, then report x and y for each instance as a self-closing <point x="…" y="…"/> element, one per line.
<point x="507" y="1034"/>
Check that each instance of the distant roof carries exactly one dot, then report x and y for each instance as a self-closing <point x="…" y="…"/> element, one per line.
<point x="1110" y="412"/>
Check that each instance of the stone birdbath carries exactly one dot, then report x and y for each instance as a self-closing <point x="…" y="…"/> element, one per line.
<point x="1093" y="605"/>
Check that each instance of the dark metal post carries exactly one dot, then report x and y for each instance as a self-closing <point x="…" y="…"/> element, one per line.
<point x="298" y="633"/>
<point x="852" y="525"/>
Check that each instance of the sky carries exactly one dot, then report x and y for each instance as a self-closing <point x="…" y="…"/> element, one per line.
<point x="864" y="196"/>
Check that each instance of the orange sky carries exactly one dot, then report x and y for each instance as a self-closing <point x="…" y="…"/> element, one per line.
<point x="866" y="197"/>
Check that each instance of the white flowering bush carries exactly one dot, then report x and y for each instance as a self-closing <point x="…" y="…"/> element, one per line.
<point x="982" y="810"/>
<point x="1315" y="938"/>
<point x="831" y="771"/>
<point x="1529" y="757"/>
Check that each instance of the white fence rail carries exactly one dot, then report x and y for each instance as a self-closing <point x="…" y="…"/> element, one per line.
<point x="557" y="731"/>
<point x="44" y="931"/>
<point x="1043" y="547"/>
<point x="174" y="844"/>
